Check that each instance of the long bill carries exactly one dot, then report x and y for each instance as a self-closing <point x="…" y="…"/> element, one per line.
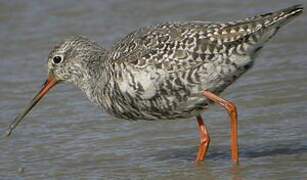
<point x="50" y="82"/>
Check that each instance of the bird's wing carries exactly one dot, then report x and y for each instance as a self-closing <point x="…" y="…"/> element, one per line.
<point x="170" y="46"/>
<point x="175" y="47"/>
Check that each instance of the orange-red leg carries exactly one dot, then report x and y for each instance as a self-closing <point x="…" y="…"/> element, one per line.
<point x="204" y="139"/>
<point x="232" y="111"/>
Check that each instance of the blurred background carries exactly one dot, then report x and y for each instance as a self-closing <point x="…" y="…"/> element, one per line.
<point x="66" y="137"/>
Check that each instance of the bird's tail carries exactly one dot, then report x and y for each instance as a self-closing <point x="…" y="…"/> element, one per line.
<point x="259" y="29"/>
<point x="266" y="25"/>
<point x="279" y="18"/>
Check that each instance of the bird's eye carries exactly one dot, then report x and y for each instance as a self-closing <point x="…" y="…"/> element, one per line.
<point x="57" y="59"/>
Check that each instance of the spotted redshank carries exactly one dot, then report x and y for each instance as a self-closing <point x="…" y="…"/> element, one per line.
<point x="168" y="71"/>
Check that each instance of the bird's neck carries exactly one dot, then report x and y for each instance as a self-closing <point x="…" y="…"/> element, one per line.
<point x="94" y="78"/>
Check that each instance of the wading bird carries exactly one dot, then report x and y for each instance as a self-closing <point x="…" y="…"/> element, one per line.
<point x="167" y="71"/>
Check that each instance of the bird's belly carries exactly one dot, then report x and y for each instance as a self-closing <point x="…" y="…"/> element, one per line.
<point x="160" y="109"/>
<point x="177" y="95"/>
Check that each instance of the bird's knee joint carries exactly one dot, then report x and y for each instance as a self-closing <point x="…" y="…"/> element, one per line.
<point x="205" y="140"/>
<point x="231" y="107"/>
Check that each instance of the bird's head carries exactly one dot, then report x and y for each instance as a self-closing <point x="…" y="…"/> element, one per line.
<point x="69" y="61"/>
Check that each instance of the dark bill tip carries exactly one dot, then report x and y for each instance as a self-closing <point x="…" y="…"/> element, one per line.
<point x="50" y="82"/>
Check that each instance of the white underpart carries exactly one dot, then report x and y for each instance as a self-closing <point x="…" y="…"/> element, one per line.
<point x="148" y="80"/>
<point x="241" y="60"/>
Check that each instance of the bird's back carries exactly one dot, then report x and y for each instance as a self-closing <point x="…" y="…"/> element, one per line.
<point x="162" y="70"/>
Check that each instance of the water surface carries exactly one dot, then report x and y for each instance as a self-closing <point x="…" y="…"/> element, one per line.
<point x="66" y="137"/>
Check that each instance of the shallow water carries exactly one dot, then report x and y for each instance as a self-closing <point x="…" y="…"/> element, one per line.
<point x="66" y="137"/>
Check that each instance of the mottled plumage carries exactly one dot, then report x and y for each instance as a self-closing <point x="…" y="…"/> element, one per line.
<point x="159" y="72"/>
<point x="168" y="71"/>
